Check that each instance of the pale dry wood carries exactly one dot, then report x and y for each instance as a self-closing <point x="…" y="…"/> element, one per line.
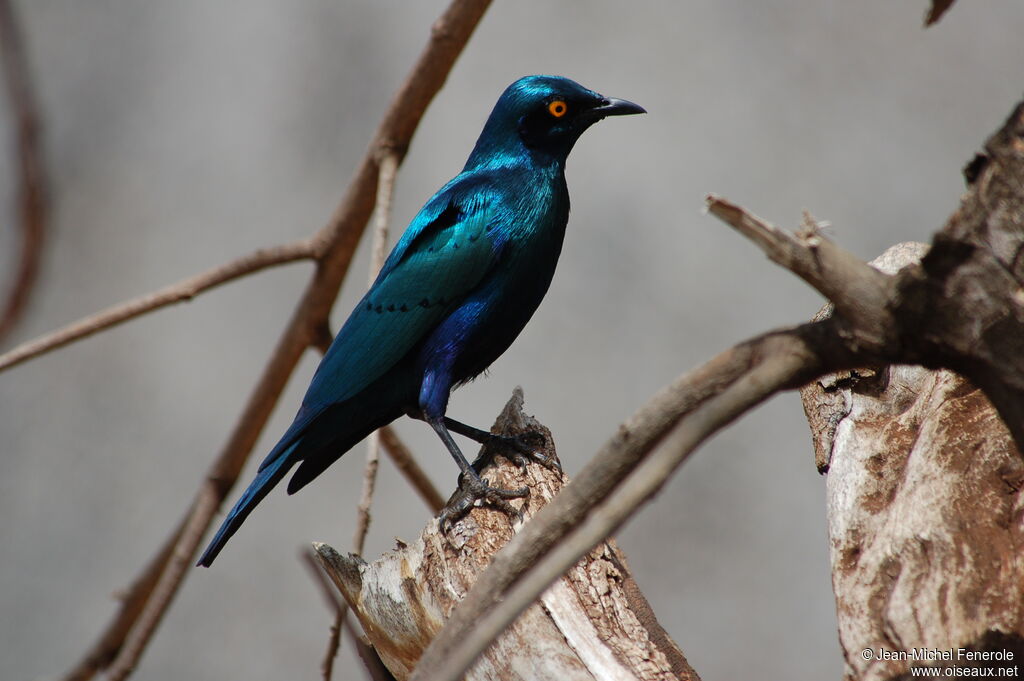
<point x="617" y="458"/>
<point x="728" y="386"/>
<point x="375" y="669"/>
<point x="593" y="624"/>
<point x="924" y="506"/>
<point x="827" y="346"/>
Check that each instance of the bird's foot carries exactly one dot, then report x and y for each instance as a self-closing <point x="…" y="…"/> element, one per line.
<point x="472" y="489"/>
<point x="520" y="450"/>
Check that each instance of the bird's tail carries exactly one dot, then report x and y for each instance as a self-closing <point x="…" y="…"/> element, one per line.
<point x="270" y="474"/>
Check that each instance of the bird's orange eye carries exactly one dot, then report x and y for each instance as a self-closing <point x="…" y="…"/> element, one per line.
<point x="557" y="108"/>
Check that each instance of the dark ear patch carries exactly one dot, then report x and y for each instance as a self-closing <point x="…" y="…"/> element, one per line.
<point x="533" y="128"/>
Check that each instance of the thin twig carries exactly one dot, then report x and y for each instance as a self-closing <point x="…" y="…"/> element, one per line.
<point x="336" y="243"/>
<point x="382" y="212"/>
<point x="407" y="466"/>
<point x="182" y="291"/>
<point x="32" y="191"/>
<point x="858" y="291"/>
<point x="378" y="251"/>
<point x="935" y="12"/>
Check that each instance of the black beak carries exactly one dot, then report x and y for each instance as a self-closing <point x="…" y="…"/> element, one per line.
<point x="610" y="106"/>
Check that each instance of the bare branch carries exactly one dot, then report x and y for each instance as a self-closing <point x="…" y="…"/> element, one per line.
<point x="780" y="360"/>
<point x="32" y="203"/>
<point x="335" y="244"/>
<point x="859" y="292"/>
<point x="180" y="292"/>
<point x="407" y="466"/>
<point x="803" y="352"/>
<point x="594" y="620"/>
<point x="935" y="12"/>
<point x="382" y="213"/>
<point x="378" y="251"/>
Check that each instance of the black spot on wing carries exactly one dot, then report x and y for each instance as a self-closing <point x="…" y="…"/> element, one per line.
<point x="426" y="303"/>
<point x="445" y="219"/>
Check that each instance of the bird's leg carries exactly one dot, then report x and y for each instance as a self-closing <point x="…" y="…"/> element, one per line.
<point x="521" y="447"/>
<point x="471" y="486"/>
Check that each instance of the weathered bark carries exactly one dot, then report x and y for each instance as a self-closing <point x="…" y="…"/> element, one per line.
<point x="594" y="623"/>
<point x="924" y="514"/>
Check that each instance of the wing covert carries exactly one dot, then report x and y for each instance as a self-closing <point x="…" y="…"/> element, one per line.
<point x="429" y="273"/>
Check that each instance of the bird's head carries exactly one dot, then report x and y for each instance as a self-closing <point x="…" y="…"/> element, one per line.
<point x="542" y="116"/>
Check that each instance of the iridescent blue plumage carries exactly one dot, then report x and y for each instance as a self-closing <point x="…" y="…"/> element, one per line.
<point x="457" y="289"/>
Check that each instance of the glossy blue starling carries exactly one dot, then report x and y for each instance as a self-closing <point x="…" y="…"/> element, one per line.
<point x="457" y="289"/>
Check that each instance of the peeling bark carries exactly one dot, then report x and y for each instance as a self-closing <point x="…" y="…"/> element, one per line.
<point x="924" y="513"/>
<point x="592" y="624"/>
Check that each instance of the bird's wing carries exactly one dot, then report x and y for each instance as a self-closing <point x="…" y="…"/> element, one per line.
<point x="443" y="255"/>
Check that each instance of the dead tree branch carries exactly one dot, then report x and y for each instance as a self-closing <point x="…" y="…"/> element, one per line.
<point x="335" y="245"/>
<point x="935" y="12"/>
<point x="858" y="291"/>
<point x="32" y="191"/>
<point x="180" y="292"/>
<point x="924" y="494"/>
<point x="593" y="624"/>
<point x="599" y="501"/>
<point x="407" y="466"/>
<point x="378" y="251"/>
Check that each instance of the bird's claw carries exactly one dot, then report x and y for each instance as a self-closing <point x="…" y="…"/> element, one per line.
<point x="473" y="489"/>
<point x="521" y="448"/>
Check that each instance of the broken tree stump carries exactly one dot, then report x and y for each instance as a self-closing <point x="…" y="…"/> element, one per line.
<point x="925" y="517"/>
<point x="592" y="624"/>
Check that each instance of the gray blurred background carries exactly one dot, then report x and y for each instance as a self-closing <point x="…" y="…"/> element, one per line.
<point x="182" y="134"/>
